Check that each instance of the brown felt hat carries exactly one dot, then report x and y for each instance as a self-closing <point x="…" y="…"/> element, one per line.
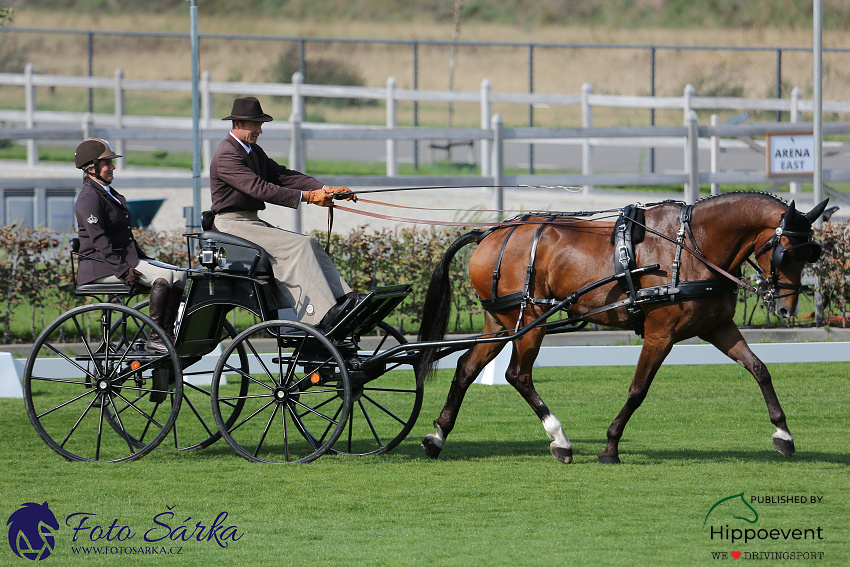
<point x="248" y="108"/>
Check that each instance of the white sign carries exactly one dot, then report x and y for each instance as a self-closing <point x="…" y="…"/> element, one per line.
<point x="790" y="154"/>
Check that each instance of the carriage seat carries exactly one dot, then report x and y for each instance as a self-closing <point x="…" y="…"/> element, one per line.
<point x="243" y="256"/>
<point x="97" y="288"/>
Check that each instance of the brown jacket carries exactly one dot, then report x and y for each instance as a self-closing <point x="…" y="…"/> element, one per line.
<point x="238" y="184"/>
<point x="105" y="234"/>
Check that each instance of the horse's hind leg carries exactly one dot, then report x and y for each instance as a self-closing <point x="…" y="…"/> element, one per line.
<point x="525" y="351"/>
<point x="469" y="366"/>
<point x="728" y="340"/>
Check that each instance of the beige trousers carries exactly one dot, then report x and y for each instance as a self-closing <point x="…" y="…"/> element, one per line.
<point x="306" y="277"/>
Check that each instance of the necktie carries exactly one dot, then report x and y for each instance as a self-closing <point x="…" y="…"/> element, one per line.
<point x="253" y="157"/>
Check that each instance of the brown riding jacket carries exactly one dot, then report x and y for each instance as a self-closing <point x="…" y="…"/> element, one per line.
<point x="238" y="183"/>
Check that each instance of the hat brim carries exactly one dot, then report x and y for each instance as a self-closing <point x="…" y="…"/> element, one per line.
<point x="261" y="118"/>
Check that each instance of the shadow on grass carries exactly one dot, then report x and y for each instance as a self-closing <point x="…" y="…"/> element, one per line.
<point x="470" y="450"/>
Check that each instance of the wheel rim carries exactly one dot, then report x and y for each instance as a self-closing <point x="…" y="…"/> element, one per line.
<point x="298" y="396"/>
<point x="383" y="411"/>
<point x="109" y="400"/>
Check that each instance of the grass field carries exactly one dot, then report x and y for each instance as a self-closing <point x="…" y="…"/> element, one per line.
<point x="495" y="497"/>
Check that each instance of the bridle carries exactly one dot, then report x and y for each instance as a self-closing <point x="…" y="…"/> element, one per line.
<point x="777" y="257"/>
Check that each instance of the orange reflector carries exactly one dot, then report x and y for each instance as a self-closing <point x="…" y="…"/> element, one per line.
<point x="314" y="378"/>
<point x="135" y="365"/>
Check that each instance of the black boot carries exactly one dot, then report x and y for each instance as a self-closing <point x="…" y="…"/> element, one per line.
<point x="335" y="314"/>
<point x="175" y="296"/>
<point x="157" y="308"/>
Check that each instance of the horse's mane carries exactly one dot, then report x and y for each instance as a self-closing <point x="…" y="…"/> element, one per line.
<point x="776" y="198"/>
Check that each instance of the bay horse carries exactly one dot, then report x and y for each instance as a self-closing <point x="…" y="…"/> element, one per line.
<point x="533" y="263"/>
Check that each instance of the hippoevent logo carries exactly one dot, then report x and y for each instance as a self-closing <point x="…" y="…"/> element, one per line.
<point x="31" y="529"/>
<point x="734" y="520"/>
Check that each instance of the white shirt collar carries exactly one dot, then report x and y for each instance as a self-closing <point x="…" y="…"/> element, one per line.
<point x="106" y="188"/>
<point x="241" y="143"/>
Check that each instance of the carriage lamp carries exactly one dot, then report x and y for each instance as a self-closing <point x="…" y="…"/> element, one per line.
<point x="211" y="256"/>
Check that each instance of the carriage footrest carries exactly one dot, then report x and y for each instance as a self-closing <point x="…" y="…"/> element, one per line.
<point x="370" y="311"/>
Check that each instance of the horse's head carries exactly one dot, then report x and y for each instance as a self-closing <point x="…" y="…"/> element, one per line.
<point x="783" y="255"/>
<point x="31" y="530"/>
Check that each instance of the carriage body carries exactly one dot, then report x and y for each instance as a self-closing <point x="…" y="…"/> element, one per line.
<point x="281" y="391"/>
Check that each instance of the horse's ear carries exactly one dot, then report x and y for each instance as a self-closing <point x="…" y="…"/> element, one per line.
<point x="789" y="212"/>
<point x="815" y="213"/>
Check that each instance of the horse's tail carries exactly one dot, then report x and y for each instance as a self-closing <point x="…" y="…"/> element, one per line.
<point x="437" y="307"/>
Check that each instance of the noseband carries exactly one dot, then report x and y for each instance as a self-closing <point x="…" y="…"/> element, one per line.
<point x="777" y="257"/>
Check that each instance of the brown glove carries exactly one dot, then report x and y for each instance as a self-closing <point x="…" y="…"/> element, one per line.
<point x="324" y="197"/>
<point x="340" y="193"/>
<point x="132" y="276"/>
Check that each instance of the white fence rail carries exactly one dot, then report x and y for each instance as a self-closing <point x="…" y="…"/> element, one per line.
<point x="492" y="136"/>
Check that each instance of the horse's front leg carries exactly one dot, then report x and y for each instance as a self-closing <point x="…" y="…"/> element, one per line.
<point x="469" y="366"/>
<point x="655" y="350"/>
<point x="519" y="376"/>
<point x="728" y="340"/>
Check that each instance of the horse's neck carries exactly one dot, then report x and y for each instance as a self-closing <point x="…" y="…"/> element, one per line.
<point x="729" y="231"/>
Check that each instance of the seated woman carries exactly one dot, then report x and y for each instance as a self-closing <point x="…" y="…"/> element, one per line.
<point x="109" y="253"/>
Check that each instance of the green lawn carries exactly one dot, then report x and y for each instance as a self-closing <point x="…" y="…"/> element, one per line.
<point x="495" y="497"/>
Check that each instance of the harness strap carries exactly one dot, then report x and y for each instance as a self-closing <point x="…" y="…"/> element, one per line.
<point x="530" y="269"/>
<point x="497" y="271"/>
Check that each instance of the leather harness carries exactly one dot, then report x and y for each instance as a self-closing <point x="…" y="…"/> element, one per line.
<point x="629" y="231"/>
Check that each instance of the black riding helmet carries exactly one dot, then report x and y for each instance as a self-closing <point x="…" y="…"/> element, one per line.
<point x="91" y="150"/>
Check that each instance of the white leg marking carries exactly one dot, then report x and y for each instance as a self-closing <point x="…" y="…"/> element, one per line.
<point x="783" y="435"/>
<point x="437" y="438"/>
<point x="555" y="432"/>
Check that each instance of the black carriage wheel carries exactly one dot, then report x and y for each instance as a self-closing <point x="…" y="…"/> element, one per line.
<point x="383" y="410"/>
<point x="196" y="429"/>
<point x="298" y="396"/>
<point x="72" y="391"/>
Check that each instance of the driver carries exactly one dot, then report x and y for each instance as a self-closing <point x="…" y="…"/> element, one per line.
<point x="242" y="180"/>
<point x="109" y="253"/>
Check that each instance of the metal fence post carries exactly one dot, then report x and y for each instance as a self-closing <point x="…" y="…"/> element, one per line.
<point x="715" y="155"/>
<point x="29" y="94"/>
<point x="392" y="123"/>
<point x="586" y="122"/>
<point x="686" y="111"/>
<point x="119" y="115"/>
<point x="796" y="96"/>
<point x="692" y="159"/>
<point x="206" y="119"/>
<point x="296" y="154"/>
<point x="498" y="196"/>
<point x="486" y="147"/>
<point x="88" y="125"/>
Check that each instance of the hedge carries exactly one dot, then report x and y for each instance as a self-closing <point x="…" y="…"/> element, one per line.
<point x="35" y="269"/>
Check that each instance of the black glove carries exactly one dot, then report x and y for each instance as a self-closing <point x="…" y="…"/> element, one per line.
<point x="132" y="276"/>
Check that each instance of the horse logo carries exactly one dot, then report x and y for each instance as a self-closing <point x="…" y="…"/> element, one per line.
<point x="31" y="529"/>
<point x="737" y="509"/>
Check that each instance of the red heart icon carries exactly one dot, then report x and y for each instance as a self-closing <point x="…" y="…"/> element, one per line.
<point x="735" y="554"/>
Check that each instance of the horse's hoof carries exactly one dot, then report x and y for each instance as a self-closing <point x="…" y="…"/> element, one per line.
<point x="565" y="455"/>
<point x="785" y="446"/>
<point x="608" y="459"/>
<point x="431" y="447"/>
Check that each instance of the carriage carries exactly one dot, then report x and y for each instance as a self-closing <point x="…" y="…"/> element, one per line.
<point x="285" y="392"/>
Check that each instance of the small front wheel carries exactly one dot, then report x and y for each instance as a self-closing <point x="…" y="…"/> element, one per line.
<point x="298" y="394"/>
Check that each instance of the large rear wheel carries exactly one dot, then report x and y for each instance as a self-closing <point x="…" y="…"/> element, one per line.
<point x="385" y="402"/>
<point x="105" y="398"/>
